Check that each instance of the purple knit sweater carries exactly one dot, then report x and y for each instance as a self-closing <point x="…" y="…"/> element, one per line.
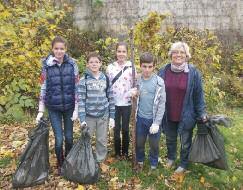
<point x="175" y="87"/>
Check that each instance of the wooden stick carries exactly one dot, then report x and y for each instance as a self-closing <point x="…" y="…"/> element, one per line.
<point x="134" y="101"/>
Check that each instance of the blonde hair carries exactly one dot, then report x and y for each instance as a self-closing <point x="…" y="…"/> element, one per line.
<point x="178" y="45"/>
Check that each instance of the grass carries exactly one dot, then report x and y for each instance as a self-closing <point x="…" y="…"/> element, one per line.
<point x="121" y="176"/>
<point x="5" y="161"/>
<point x="198" y="176"/>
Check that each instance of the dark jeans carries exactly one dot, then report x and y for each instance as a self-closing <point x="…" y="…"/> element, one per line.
<point x="142" y="131"/>
<point x="171" y="143"/>
<point x="56" y="118"/>
<point x="122" y="118"/>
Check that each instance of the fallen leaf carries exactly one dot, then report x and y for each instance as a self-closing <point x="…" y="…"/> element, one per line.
<point x="113" y="172"/>
<point x="80" y="187"/>
<point x="135" y="180"/>
<point x="161" y="177"/>
<point x="167" y="183"/>
<point x="16" y="144"/>
<point x="104" y="168"/>
<point x="178" y="177"/>
<point x="114" y="179"/>
<point x="7" y="153"/>
<point x="110" y="160"/>
<point x="113" y="183"/>
<point x="202" y="180"/>
<point x="60" y="184"/>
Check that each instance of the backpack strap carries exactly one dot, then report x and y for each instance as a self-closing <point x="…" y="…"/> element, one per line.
<point x="85" y="79"/>
<point x="107" y="85"/>
<point x="118" y="75"/>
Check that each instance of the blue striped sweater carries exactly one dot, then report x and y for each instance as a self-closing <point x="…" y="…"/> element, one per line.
<point x="92" y="97"/>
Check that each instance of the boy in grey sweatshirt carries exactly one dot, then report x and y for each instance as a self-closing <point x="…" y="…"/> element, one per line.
<point x="96" y="104"/>
<point x="150" y="111"/>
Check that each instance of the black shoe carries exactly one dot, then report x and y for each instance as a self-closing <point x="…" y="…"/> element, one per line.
<point x="139" y="167"/>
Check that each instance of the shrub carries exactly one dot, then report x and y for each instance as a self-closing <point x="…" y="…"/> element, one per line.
<point x="204" y="47"/>
<point x="27" y="28"/>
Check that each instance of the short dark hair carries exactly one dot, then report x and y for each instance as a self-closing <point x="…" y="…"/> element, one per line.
<point x="146" y="57"/>
<point x="93" y="54"/>
<point x="58" y="39"/>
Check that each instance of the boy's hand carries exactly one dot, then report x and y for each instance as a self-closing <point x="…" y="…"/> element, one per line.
<point x="154" y="129"/>
<point x="38" y="117"/>
<point x="111" y="123"/>
<point x="133" y="92"/>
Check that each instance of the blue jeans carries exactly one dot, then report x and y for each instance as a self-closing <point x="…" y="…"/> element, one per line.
<point x="171" y="143"/>
<point x="56" y="118"/>
<point x="142" y="131"/>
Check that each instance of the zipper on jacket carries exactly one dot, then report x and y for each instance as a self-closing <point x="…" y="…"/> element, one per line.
<point x="60" y="69"/>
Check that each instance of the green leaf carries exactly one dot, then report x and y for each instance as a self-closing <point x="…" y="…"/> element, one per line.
<point x="3" y="100"/>
<point x="16" y="112"/>
<point x="29" y="103"/>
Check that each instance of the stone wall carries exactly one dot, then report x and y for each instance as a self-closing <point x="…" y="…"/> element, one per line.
<point x="223" y="16"/>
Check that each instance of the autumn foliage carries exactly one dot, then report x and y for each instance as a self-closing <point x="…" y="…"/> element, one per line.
<point x="26" y="29"/>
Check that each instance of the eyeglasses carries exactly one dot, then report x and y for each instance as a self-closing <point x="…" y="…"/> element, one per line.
<point x="177" y="52"/>
<point x="147" y="66"/>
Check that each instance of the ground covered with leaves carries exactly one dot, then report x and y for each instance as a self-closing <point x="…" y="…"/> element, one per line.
<point x="118" y="174"/>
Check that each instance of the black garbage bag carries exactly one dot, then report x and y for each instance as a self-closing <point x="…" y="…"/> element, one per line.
<point x="218" y="139"/>
<point x="220" y="120"/>
<point x="80" y="164"/>
<point x="33" y="168"/>
<point x="207" y="152"/>
<point x="208" y="145"/>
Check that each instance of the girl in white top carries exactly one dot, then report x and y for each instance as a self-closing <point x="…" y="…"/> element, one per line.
<point x="120" y="76"/>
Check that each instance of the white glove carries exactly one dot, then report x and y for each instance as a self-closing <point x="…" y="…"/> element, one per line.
<point x="133" y="92"/>
<point x="41" y="107"/>
<point x="111" y="123"/>
<point x="154" y="129"/>
<point x="83" y="124"/>
<point x="75" y="114"/>
<point x="38" y="117"/>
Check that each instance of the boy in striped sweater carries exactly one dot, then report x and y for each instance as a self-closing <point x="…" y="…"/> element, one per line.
<point x="96" y="104"/>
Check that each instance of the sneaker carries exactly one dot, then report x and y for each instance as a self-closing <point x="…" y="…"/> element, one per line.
<point x="140" y="167"/>
<point x="169" y="163"/>
<point x="180" y="170"/>
<point x="153" y="167"/>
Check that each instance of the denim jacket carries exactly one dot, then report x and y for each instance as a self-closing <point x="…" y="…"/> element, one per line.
<point x="194" y="103"/>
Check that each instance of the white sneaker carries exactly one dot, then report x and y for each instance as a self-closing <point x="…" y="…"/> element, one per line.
<point x="153" y="167"/>
<point x="180" y="170"/>
<point x="140" y="167"/>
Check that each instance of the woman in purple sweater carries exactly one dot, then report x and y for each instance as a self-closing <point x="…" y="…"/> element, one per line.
<point x="184" y="103"/>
